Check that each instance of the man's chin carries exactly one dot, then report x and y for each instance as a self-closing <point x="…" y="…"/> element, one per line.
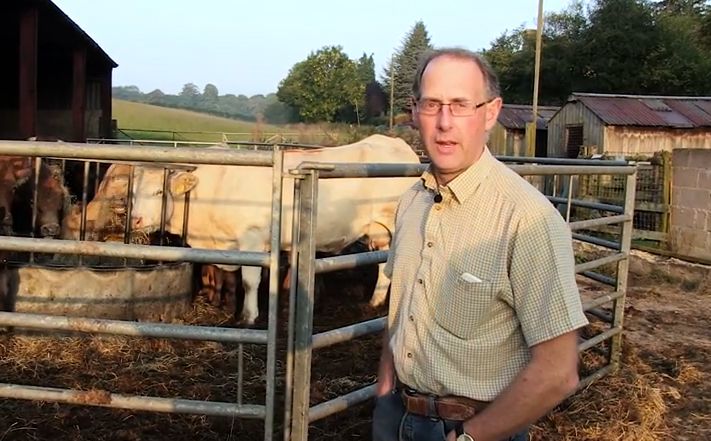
<point x="446" y="164"/>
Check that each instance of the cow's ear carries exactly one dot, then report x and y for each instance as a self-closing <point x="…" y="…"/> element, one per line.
<point x="182" y="183"/>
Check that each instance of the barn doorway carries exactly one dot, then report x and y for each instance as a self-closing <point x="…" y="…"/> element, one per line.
<point x="573" y="140"/>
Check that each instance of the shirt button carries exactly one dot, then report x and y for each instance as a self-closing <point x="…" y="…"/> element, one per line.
<point x="438" y="207"/>
<point x="412" y="318"/>
<point x="409" y="355"/>
<point x="430" y="244"/>
<point x="419" y="281"/>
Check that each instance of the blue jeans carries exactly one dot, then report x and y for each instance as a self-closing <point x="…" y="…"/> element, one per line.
<point x="391" y="422"/>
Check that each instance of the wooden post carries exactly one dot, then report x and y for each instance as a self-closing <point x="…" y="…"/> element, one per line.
<point x="666" y="195"/>
<point x="28" y="72"/>
<point x="392" y="92"/>
<point x="531" y="127"/>
<point x="79" y="96"/>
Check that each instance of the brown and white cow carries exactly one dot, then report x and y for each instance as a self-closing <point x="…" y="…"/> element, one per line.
<point x="230" y="207"/>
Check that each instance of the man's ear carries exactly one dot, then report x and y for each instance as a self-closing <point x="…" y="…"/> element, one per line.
<point x="492" y="112"/>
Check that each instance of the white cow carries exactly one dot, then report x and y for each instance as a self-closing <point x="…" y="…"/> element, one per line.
<point x="230" y="206"/>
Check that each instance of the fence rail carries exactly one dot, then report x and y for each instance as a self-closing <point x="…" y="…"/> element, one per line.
<point x="652" y="203"/>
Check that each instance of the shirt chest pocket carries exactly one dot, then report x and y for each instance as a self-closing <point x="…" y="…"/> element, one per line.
<point x="463" y="306"/>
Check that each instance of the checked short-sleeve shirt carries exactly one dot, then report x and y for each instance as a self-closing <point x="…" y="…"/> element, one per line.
<point x="476" y="280"/>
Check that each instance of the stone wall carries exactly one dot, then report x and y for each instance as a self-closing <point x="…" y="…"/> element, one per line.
<point x="690" y="225"/>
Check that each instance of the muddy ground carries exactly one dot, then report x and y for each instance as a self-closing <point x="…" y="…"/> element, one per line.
<point x="660" y="393"/>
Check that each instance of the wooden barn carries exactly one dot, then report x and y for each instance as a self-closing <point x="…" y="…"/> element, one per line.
<point x="628" y="125"/>
<point x="55" y="80"/>
<point x="508" y="137"/>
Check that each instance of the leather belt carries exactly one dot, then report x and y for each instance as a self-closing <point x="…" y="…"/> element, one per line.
<point x="452" y="408"/>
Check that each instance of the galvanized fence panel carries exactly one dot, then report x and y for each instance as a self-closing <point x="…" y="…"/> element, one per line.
<point x="155" y="155"/>
<point x="300" y="414"/>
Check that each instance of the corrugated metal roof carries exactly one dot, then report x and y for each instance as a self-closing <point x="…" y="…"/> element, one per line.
<point x="516" y="116"/>
<point x="648" y="110"/>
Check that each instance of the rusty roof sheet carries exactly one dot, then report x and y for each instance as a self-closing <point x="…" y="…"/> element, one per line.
<point x="648" y="110"/>
<point x="516" y="116"/>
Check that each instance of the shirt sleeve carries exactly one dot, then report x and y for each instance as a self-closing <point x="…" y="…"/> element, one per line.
<point x="542" y="274"/>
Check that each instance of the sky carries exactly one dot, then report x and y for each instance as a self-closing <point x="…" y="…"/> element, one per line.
<point x="247" y="47"/>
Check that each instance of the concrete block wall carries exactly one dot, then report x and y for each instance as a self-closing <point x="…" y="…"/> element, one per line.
<point x="690" y="223"/>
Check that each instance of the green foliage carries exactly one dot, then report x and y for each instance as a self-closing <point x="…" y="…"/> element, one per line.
<point x="327" y="86"/>
<point x="404" y="65"/>
<point x="616" y="46"/>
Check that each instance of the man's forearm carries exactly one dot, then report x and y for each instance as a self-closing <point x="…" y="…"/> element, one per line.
<point x="386" y="369"/>
<point x="532" y="394"/>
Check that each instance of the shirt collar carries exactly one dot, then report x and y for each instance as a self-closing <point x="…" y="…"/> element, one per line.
<point x="467" y="182"/>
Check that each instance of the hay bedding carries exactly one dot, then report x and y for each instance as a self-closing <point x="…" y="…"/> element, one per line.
<point x="660" y="393"/>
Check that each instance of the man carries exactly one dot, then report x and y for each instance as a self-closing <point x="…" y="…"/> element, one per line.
<point x="484" y="306"/>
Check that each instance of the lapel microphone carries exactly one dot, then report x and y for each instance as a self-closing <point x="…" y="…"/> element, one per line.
<point x="438" y="198"/>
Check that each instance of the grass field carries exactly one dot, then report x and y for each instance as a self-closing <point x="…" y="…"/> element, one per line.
<point x="148" y="122"/>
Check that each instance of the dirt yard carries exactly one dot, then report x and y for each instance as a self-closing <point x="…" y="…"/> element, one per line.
<point x="661" y="392"/>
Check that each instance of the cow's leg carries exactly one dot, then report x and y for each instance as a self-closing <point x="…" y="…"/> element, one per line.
<point x="379" y="239"/>
<point x="230" y="283"/>
<point x="381" y="286"/>
<point x="207" y="281"/>
<point x="252" y="240"/>
<point x="251" y="276"/>
<point x="219" y="277"/>
<point x="287" y="280"/>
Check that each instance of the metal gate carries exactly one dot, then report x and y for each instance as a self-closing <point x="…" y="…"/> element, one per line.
<point x="301" y="340"/>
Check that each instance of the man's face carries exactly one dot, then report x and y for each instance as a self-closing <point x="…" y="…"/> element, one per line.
<point x="453" y="143"/>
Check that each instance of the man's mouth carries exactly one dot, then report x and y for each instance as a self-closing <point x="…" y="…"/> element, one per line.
<point x="445" y="146"/>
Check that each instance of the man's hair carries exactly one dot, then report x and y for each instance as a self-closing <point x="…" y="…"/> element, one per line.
<point x="491" y="81"/>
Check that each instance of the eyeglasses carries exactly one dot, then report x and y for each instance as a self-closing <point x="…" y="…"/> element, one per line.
<point x="459" y="108"/>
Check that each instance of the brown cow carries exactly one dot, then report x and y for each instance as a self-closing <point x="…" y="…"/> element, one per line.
<point x="213" y="280"/>
<point x="18" y="174"/>
<point x="7" y="187"/>
<point x="4" y="280"/>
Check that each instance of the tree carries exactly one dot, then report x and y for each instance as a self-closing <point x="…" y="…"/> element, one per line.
<point x="321" y="86"/>
<point x="617" y="46"/>
<point x="210" y="97"/>
<point x="405" y="62"/>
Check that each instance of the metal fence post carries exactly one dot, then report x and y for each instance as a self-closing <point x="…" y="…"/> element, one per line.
<point x="275" y="247"/>
<point x="303" y="341"/>
<point x="293" y="270"/>
<point x="623" y="269"/>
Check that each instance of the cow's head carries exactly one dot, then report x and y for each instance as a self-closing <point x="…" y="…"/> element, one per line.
<point x="5" y="216"/>
<point x="148" y="193"/>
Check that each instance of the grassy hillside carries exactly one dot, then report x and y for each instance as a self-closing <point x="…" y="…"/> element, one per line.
<point x="144" y="118"/>
<point x="148" y="122"/>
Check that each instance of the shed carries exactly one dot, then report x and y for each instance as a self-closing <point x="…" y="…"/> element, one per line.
<point x="629" y="125"/>
<point x="508" y="137"/>
<point x="55" y="80"/>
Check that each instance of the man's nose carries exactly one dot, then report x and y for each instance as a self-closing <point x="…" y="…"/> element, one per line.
<point x="444" y="118"/>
